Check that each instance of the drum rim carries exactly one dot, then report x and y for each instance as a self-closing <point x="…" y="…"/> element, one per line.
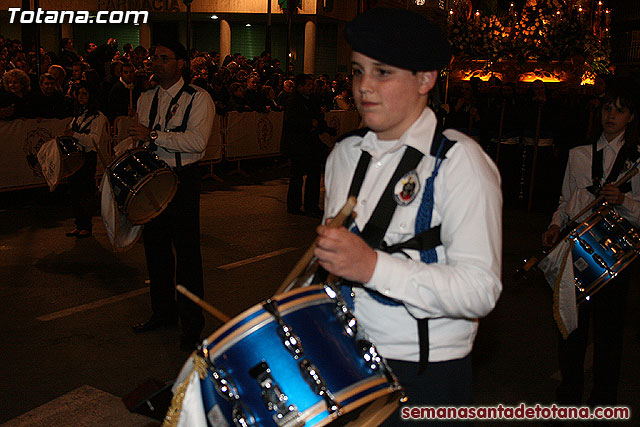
<point x="254" y="308"/>
<point x="140" y="184"/>
<point x="114" y="162"/>
<point x="257" y="320"/>
<point x="355" y="390"/>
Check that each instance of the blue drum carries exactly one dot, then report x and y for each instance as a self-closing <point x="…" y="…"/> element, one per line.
<point x="603" y="245"/>
<point x="143" y="185"/>
<point x="296" y="360"/>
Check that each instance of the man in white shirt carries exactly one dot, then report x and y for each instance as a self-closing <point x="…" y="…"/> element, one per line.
<point x="591" y="170"/>
<point x="175" y="120"/>
<point x="455" y="278"/>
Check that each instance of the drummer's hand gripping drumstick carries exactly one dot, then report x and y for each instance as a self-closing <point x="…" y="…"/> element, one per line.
<point x="308" y="257"/>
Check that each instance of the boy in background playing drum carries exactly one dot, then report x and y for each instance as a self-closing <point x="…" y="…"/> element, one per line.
<point x="591" y="170"/>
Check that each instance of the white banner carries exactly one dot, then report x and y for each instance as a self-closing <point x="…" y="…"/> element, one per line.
<point x="22" y="139"/>
<point x="244" y="135"/>
<point x="253" y="134"/>
<point x="213" y="152"/>
<point x="342" y="121"/>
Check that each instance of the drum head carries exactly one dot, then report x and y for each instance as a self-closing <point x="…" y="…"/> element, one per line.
<point x="152" y="195"/>
<point x="71" y="163"/>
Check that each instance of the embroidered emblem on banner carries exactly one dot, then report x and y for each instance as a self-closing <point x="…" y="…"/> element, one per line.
<point x="32" y="143"/>
<point x="264" y="129"/>
<point x="406" y="188"/>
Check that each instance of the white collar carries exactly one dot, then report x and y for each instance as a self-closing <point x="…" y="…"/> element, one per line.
<point x="419" y="136"/>
<point x="173" y="90"/>
<point x="615" y="144"/>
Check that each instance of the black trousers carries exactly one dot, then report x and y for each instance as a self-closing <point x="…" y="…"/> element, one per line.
<point x="172" y="248"/>
<point x="299" y="168"/>
<point x="82" y="187"/>
<point x="446" y="383"/>
<point x="606" y="309"/>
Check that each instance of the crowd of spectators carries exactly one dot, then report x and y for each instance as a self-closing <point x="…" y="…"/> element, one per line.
<point x="559" y="114"/>
<point x="122" y="74"/>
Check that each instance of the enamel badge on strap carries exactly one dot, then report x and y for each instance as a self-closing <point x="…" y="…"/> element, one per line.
<point x="406" y="188"/>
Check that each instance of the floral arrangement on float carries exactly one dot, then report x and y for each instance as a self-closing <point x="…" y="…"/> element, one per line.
<point x="551" y="40"/>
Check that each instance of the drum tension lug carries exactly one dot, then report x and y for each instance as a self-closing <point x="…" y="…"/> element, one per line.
<point x="289" y="338"/>
<point x="343" y="313"/>
<point x="286" y="415"/>
<point x="312" y="375"/>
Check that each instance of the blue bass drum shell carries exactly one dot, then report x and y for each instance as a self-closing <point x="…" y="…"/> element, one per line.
<point x="364" y="391"/>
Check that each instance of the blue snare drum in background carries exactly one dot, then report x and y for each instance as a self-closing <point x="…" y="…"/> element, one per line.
<point x="296" y="360"/>
<point x="603" y="245"/>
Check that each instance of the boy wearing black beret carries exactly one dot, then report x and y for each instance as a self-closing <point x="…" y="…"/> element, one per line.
<point x="424" y="253"/>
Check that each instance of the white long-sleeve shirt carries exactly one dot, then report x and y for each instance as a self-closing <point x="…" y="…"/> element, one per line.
<point x="577" y="178"/>
<point x="97" y="126"/>
<point x="465" y="282"/>
<point x="191" y="143"/>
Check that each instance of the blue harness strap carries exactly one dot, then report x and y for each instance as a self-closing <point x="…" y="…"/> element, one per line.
<point x="377" y="225"/>
<point x="425" y="239"/>
<point x="425" y="212"/>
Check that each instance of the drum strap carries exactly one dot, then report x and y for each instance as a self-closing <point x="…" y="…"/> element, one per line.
<point x="597" y="164"/>
<point x="182" y="128"/>
<point x="153" y="113"/>
<point x="424" y="240"/>
<point x="84" y="129"/>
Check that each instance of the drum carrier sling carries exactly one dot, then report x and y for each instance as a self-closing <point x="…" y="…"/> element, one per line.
<point x="425" y="240"/>
<point x="597" y="172"/>
<point x="153" y="112"/>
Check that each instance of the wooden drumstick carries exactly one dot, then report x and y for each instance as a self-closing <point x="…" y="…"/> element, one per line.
<point x="205" y="305"/>
<point x="299" y="268"/>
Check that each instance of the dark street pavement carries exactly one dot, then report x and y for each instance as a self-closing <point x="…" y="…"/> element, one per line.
<point x="68" y="305"/>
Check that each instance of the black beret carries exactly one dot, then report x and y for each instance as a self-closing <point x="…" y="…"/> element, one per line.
<point x="400" y="38"/>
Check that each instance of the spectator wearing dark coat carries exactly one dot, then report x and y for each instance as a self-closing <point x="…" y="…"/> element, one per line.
<point x="49" y="103"/>
<point x="102" y="55"/>
<point x="237" y="101"/>
<point x="16" y="101"/>
<point x="123" y="96"/>
<point x="68" y="55"/>
<point x="301" y="127"/>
